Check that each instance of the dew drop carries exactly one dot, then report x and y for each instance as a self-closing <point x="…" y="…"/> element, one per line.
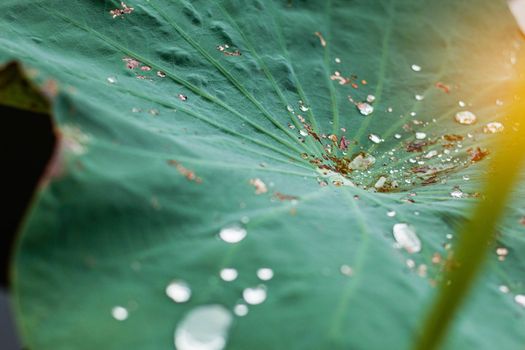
<point x="255" y="295"/>
<point x="405" y="235"/>
<point x="421" y="135"/>
<point x="462" y="104"/>
<point x="504" y="289"/>
<point x="232" y="234"/>
<point x="465" y="118"/>
<point x="203" y="328"/>
<point x="112" y="80"/>
<point x="365" y="108"/>
<point x="370" y="98"/>
<point x="391" y="213"/>
<point x="346" y="270"/>
<point x="240" y="310"/>
<point x="374" y="138"/>
<point x="229" y="274"/>
<point x="119" y="313"/>
<point x="493" y="128"/>
<point x="265" y="274"/>
<point x="397" y="136"/>
<point x="466" y="177"/>
<point x="419" y="97"/>
<point x="289" y="108"/>
<point x="431" y="154"/>
<point x="179" y="291"/>
<point x="416" y="68"/>
<point x="457" y="193"/>
<point x="303" y="133"/>
<point x="520" y="299"/>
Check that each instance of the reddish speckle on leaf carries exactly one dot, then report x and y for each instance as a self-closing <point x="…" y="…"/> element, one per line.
<point x="477" y="154"/>
<point x="125" y="10"/>
<point x="190" y="175"/>
<point x="443" y="87"/>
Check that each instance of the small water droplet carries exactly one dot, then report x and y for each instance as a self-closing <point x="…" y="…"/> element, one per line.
<point x="303" y="133"/>
<point x="375" y="138"/>
<point x="520" y="299"/>
<point x="462" y="104"/>
<point x="465" y="118"/>
<point x="112" y="80"/>
<point x="466" y="177"/>
<point x="289" y="108"/>
<point x="421" y="135"/>
<point x="457" y="193"/>
<point x="504" y="289"/>
<point x="240" y="310"/>
<point x="416" y="68"/>
<point x="346" y="270"/>
<point x="493" y="128"/>
<point x="119" y="313"/>
<point x="203" y="328"/>
<point x="365" y="108"/>
<point x="405" y="235"/>
<point x="232" y="234"/>
<point x="370" y="98"/>
<point x="255" y="295"/>
<point x="431" y="154"/>
<point x="419" y="97"/>
<point x="229" y="274"/>
<point x="397" y="136"/>
<point x="265" y="274"/>
<point x="391" y="213"/>
<point x="179" y="291"/>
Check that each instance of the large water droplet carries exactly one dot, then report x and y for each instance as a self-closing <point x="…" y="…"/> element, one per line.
<point x="119" y="313"/>
<point x="179" y="291"/>
<point x="254" y="296"/>
<point x="493" y="128"/>
<point x="265" y="274"/>
<point x="229" y="274"/>
<point x="232" y="234"/>
<point x="203" y="328"/>
<point x="465" y="118"/>
<point x="365" y="108"/>
<point x="405" y="235"/>
<point x="375" y="138"/>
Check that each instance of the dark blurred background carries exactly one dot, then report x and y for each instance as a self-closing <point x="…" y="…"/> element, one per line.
<point x="25" y="148"/>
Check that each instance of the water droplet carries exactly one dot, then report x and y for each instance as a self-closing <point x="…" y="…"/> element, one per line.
<point x="229" y="274"/>
<point x="462" y="104"/>
<point x="405" y="235"/>
<point x="346" y="270"/>
<point x="374" y="138"/>
<point x="416" y="68"/>
<point x="504" y="289"/>
<point x="179" y="291"/>
<point x="465" y="118"/>
<point x="254" y="296"/>
<point x="119" y="313"/>
<point x="365" y="108"/>
<point x="232" y="234"/>
<point x="493" y="128"/>
<point x="397" y="136"/>
<point x="303" y="133"/>
<point x="391" y="213"/>
<point x="337" y="60"/>
<point x="421" y="135"/>
<point x="419" y="97"/>
<point x="289" y="108"/>
<point x="520" y="299"/>
<point x="112" y="80"/>
<point x="457" y="193"/>
<point x="370" y="98"/>
<point x="161" y="74"/>
<point x="240" y="310"/>
<point x="431" y="154"/>
<point x="265" y="274"/>
<point x="203" y="328"/>
<point x="362" y="162"/>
